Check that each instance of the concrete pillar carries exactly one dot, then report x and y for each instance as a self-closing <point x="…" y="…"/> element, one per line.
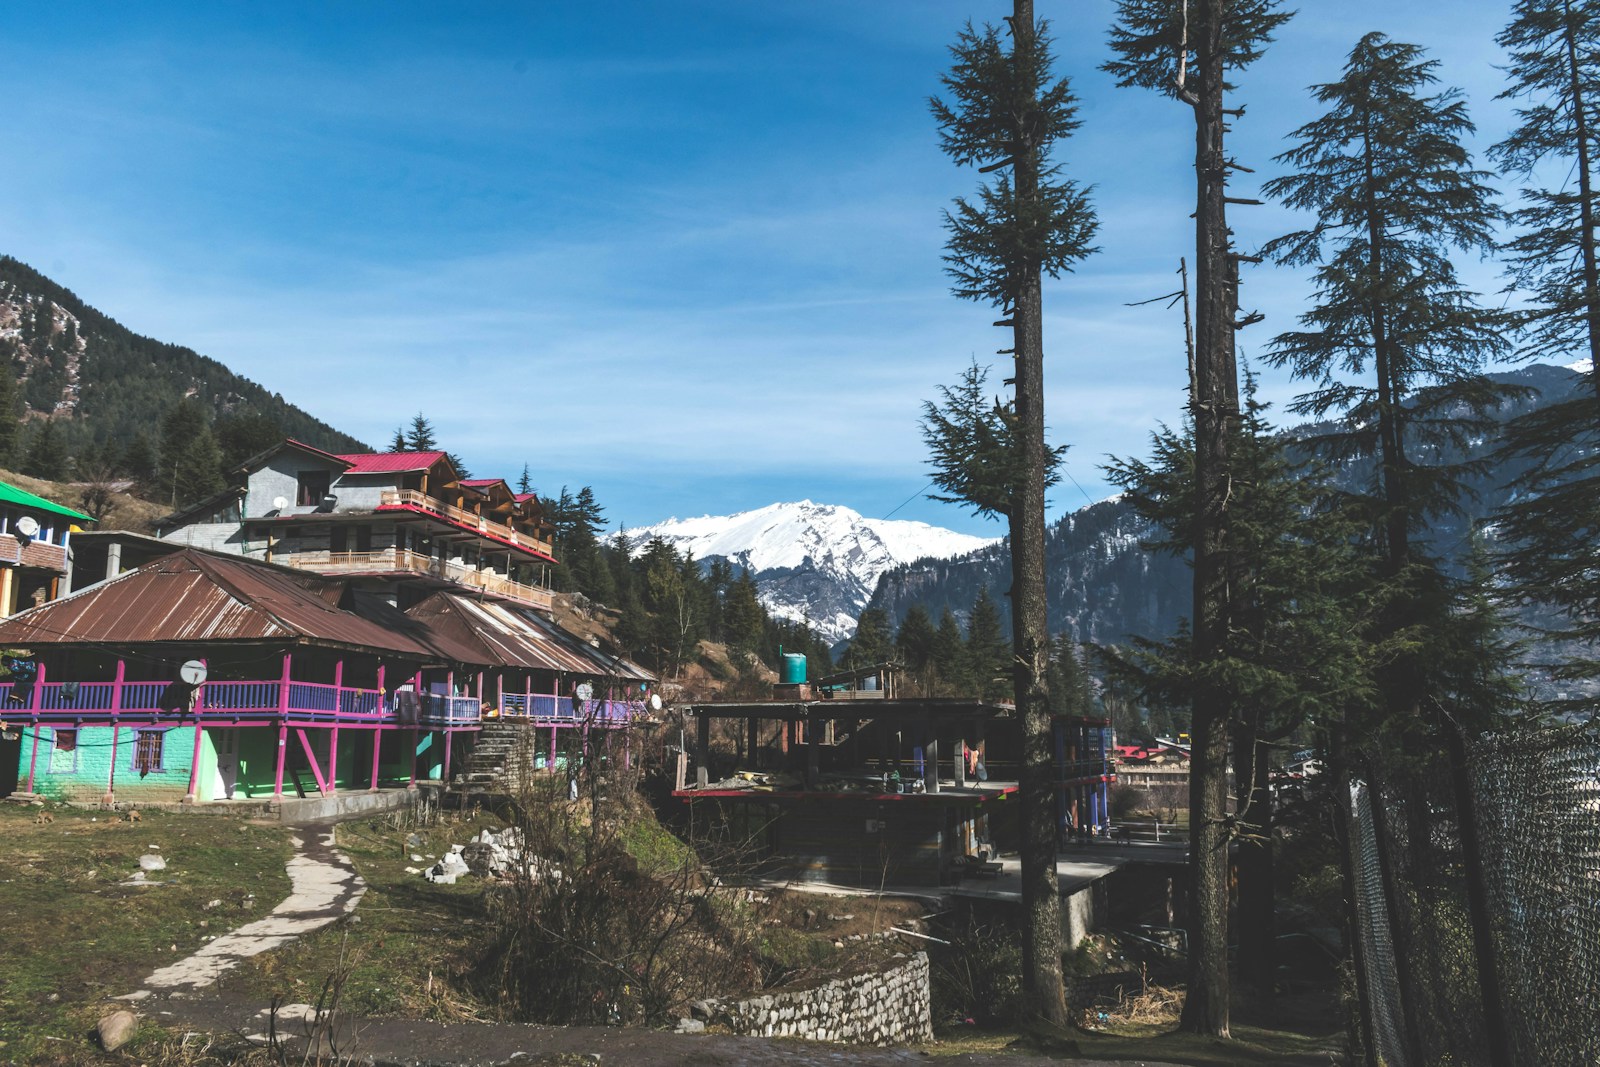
<point x="702" y="771"/>
<point x="113" y="560"/>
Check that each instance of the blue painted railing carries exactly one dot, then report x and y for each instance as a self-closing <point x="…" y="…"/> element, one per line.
<point x="543" y="707"/>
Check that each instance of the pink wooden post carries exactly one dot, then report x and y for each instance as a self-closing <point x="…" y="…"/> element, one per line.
<point x="283" y="727"/>
<point x="116" y="714"/>
<point x="199" y="700"/>
<point x="527" y="694"/>
<point x="448" y="734"/>
<point x="333" y="734"/>
<point x="38" y="687"/>
<point x="416" y="683"/>
<point x="551" y="766"/>
<point x="377" y="730"/>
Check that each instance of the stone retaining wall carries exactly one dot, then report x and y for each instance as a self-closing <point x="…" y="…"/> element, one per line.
<point x="884" y="1007"/>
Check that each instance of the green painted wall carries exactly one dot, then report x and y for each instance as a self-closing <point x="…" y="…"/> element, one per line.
<point x="82" y="775"/>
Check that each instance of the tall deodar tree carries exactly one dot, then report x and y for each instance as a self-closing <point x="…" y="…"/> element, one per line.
<point x="1005" y="112"/>
<point x="1552" y="527"/>
<point x="1187" y="50"/>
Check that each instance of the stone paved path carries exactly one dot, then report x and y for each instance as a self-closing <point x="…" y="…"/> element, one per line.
<point x="324" y="886"/>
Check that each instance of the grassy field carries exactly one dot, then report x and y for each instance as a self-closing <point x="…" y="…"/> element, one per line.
<point x="76" y="936"/>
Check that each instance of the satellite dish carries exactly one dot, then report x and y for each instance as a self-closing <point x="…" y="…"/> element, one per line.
<point x="193" y="672"/>
<point x="279" y="503"/>
<point x="585" y="691"/>
<point x="28" y="526"/>
<point x="655" y="701"/>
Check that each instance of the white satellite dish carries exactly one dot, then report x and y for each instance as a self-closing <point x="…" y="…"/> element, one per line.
<point x="28" y="526"/>
<point x="655" y="701"/>
<point x="585" y="691"/>
<point x="279" y="503"/>
<point x="193" y="672"/>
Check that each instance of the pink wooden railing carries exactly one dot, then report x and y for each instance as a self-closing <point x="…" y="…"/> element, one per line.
<point x="305" y="700"/>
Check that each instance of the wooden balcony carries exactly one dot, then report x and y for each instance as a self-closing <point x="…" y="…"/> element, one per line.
<point x="412" y="500"/>
<point x="388" y="561"/>
<point x="307" y="703"/>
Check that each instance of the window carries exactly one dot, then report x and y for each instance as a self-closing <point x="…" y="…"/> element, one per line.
<point x="338" y="539"/>
<point x="147" y="752"/>
<point x="363" y="538"/>
<point x="310" y="488"/>
<point x="64" y="753"/>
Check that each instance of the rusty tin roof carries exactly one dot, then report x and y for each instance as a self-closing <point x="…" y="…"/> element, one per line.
<point x="490" y="630"/>
<point x="196" y="597"/>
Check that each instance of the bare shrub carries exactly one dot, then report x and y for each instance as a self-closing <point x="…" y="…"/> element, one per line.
<point x="1127" y="799"/>
<point x="584" y="932"/>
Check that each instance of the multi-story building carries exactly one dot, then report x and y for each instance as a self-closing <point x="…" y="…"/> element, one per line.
<point x="403" y="524"/>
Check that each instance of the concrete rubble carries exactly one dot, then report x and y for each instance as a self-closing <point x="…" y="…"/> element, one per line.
<point x="490" y="855"/>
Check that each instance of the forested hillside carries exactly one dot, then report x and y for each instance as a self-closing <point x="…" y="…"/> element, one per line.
<point x="1104" y="586"/>
<point x="85" y="398"/>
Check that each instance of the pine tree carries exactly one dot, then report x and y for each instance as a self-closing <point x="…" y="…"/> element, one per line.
<point x="987" y="655"/>
<point x="1006" y="113"/>
<point x="190" y="462"/>
<point x="871" y="642"/>
<point x="524" y="482"/>
<point x="1395" y="347"/>
<point x="1394" y="193"/>
<point x="138" y="460"/>
<point x="399" y="442"/>
<point x="949" y="648"/>
<point x="914" y="646"/>
<point x="1297" y="650"/>
<point x="47" y="455"/>
<point x="1190" y="55"/>
<point x="10" y="424"/>
<point x="1551" y="528"/>
<point x="420" y="438"/>
<point x="242" y="436"/>
<point x="743" y="616"/>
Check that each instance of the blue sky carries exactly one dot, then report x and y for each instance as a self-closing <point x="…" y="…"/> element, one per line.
<point x="686" y="253"/>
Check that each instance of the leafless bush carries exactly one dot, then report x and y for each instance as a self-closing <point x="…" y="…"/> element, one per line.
<point x="606" y="919"/>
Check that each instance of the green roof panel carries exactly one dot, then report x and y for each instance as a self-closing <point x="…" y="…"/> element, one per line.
<point x="10" y="494"/>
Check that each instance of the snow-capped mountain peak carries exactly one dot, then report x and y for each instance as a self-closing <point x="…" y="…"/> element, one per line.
<point x="820" y="561"/>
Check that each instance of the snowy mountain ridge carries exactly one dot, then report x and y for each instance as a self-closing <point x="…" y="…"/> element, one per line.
<point x="816" y="561"/>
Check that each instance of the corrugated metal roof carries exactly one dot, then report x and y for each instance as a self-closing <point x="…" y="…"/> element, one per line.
<point x="390" y="462"/>
<point x="503" y="633"/>
<point x="195" y="597"/>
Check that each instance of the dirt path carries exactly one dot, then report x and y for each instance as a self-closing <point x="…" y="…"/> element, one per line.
<point x="324" y="886"/>
<point x="411" y="1043"/>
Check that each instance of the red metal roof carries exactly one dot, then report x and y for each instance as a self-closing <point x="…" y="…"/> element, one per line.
<point x="195" y="597"/>
<point x="391" y="462"/>
<point x="479" y="483"/>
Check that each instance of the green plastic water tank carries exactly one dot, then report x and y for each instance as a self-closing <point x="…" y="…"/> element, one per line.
<point x="793" y="670"/>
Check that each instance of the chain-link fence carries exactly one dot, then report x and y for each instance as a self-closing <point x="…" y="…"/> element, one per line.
<point x="1486" y="955"/>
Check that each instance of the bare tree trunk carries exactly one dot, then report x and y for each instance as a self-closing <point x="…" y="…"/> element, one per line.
<point x="1041" y="940"/>
<point x="1257" y="900"/>
<point x="1205" y="1008"/>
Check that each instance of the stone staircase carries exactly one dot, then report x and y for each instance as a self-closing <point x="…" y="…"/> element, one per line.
<point x="496" y="749"/>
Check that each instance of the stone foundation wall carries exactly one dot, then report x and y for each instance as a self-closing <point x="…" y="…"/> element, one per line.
<point x="884" y="1007"/>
